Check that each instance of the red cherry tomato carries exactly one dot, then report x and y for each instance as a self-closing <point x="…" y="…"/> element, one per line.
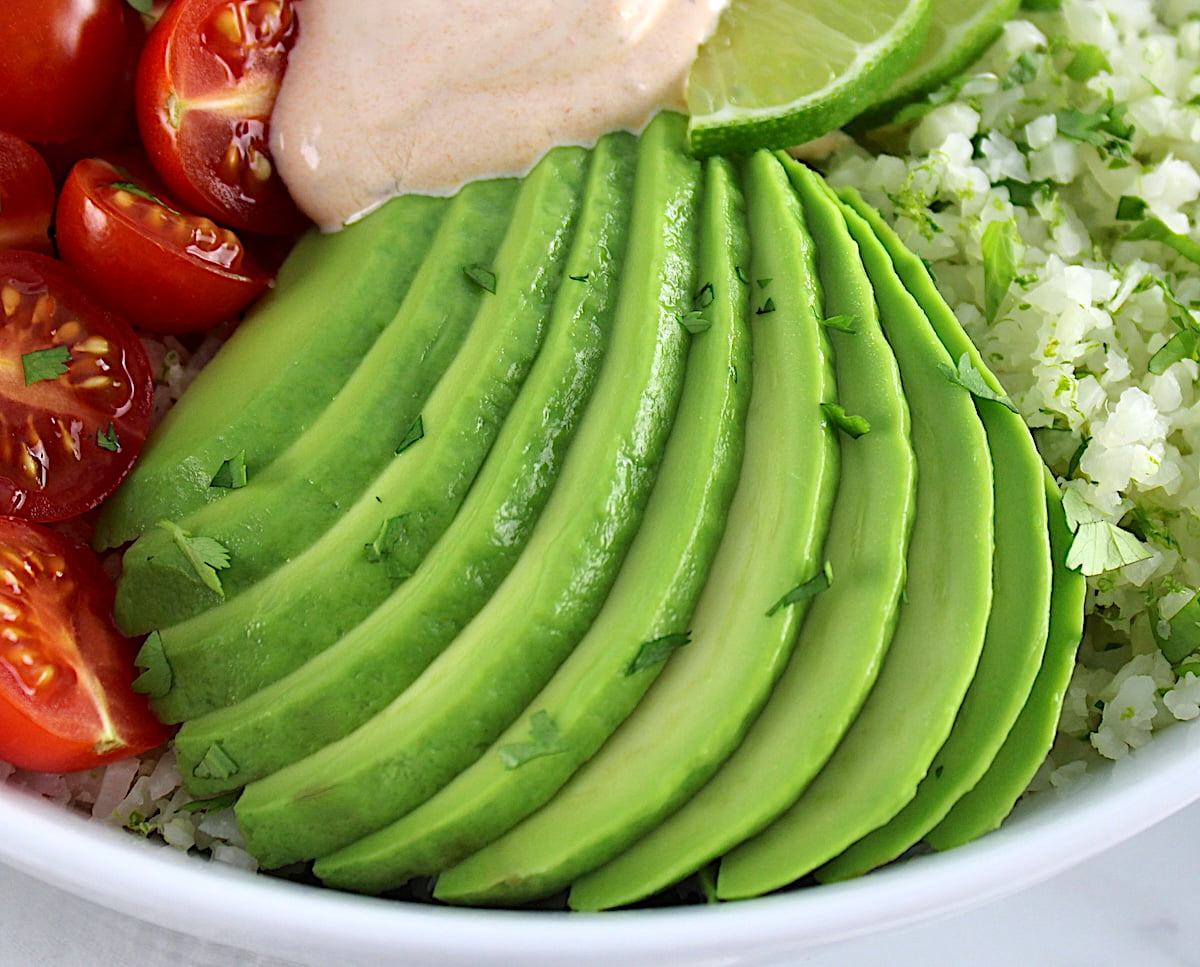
<point x="75" y="392"/>
<point x="66" y="701"/>
<point x="26" y="197"/>
<point x="206" y="86"/>
<point x="61" y="66"/>
<point x="163" y="269"/>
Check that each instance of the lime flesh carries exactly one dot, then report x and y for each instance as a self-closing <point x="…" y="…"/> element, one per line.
<point x="781" y="72"/>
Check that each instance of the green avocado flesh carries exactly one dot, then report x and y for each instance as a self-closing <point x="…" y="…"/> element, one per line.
<point x="587" y="530"/>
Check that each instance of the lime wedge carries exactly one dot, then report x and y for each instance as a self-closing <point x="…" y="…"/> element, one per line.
<point x="781" y="72"/>
<point x="958" y="33"/>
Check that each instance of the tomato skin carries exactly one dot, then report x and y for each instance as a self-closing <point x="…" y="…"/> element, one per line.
<point x="26" y="196"/>
<point x="66" y="701"/>
<point x="68" y="440"/>
<point x="206" y="86"/>
<point x="164" y="270"/>
<point x="61" y="66"/>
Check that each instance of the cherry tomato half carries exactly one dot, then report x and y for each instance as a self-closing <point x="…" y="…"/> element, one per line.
<point x="26" y="196"/>
<point x="66" y="701"/>
<point x="163" y="269"/>
<point x="75" y="392"/>
<point x="206" y="86"/>
<point x="61" y="66"/>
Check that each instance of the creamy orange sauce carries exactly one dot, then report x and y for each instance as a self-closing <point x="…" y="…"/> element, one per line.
<point x="384" y="97"/>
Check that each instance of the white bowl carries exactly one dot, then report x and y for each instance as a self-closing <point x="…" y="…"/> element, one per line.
<point x="1049" y="833"/>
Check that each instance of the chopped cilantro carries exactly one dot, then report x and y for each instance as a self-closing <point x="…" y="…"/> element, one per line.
<point x="853" y="426"/>
<point x="156" y="678"/>
<point x="766" y="307"/>
<point x="1073" y="464"/>
<point x="704" y="297"/>
<point x="43" y="364"/>
<point x="232" y="473"/>
<point x="415" y="432"/>
<point x="1002" y="252"/>
<point x="971" y="379"/>
<point x="544" y="741"/>
<point x="205" y="555"/>
<point x="1155" y="230"/>
<point x="580" y="278"/>
<point x="1089" y="60"/>
<point x="741" y="275"/>
<point x="210" y="805"/>
<point x="106" y="438"/>
<point x="808" y="589"/>
<point x="1023" y="70"/>
<point x="135" y="189"/>
<point x="216" y="764"/>
<point x="482" y="276"/>
<point x="389" y="546"/>
<point x="142" y="6"/>
<point x="656" y="651"/>
<point x="1149" y="523"/>
<point x="1130" y="208"/>
<point x="1106" y="129"/>
<point x="1098" y="545"/>
<point x="1182" y="345"/>
<point x="842" y="323"/>
<point x="1182" y="632"/>
<point x="695" y="322"/>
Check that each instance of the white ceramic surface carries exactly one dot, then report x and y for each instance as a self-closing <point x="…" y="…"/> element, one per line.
<point x="313" y="926"/>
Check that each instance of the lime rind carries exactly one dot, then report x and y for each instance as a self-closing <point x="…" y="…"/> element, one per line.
<point x="958" y="36"/>
<point x="829" y="62"/>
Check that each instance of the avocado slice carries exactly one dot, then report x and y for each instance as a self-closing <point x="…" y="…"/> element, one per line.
<point x="228" y="652"/>
<point x="343" y="686"/>
<point x="646" y="614"/>
<point x="939" y="634"/>
<point x="245" y="400"/>
<point x="983" y="808"/>
<point x="286" y="505"/>
<point x="701" y="705"/>
<point x="481" y="683"/>
<point x="849" y="627"/>
<point x="1021" y="579"/>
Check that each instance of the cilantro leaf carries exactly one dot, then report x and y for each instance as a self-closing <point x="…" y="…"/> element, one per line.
<point x="657" y="651"/>
<point x="1130" y="208"/>
<point x="43" y="364"/>
<point x="1182" y="345"/>
<point x="1182" y="636"/>
<point x="808" y="589"/>
<point x="765" y="308"/>
<point x="1002" y="252"/>
<point x="842" y="323"/>
<point x="232" y="473"/>
<point x="205" y="555"/>
<point x="695" y="322"/>
<point x="1089" y="60"/>
<point x="144" y="193"/>
<point x="216" y="764"/>
<point x="210" y="805"/>
<point x="971" y="379"/>
<point x="1155" y="230"/>
<point x="1106" y="129"/>
<point x="852" y="426"/>
<point x="545" y="741"/>
<point x="415" y="432"/>
<point x="482" y="276"/>
<point x="106" y="439"/>
<point x="704" y="296"/>
<point x="390" y="545"/>
<point x="1100" y="546"/>
<point x="157" y="678"/>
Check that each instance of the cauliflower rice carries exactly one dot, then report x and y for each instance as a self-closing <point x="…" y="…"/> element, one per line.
<point x="1079" y="126"/>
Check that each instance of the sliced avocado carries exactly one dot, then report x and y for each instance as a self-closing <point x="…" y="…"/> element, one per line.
<point x="939" y="634"/>
<point x="699" y="708"/>
<point x="225" y="654"/>
<point x="849" y="626"/>
<point x="646" y="615"/>
<point x="983" y="808"/>
<point x="1021" y="578"/>
<point x="480" y="684"/>
<point x="245" y="400"/>
<point x="344" y="685"/>
<point x="286" y="505"/>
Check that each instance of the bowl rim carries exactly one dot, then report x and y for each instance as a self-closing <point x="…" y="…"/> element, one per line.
<point x="145" y="881"/>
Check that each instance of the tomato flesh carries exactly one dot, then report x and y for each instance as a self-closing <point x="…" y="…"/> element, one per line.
<point x="70" y="436"/>
<point x="206" y="86"/>
<point x="26" y="196"/>
<point x="66" y="701"/>
<point x="62" y="66"/>
<point x="165" y="270"/>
